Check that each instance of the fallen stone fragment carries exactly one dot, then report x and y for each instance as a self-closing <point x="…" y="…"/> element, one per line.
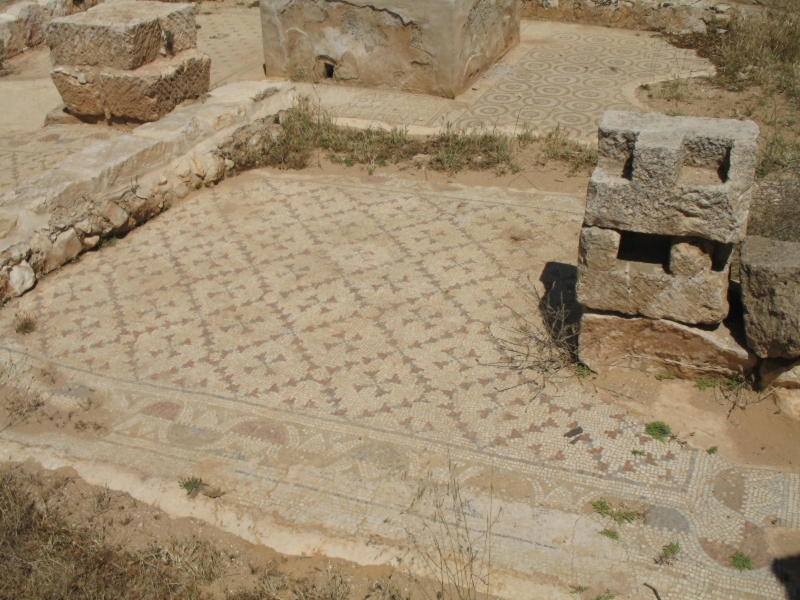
<point x="770" y="274"/>
<point x="681" y="176"/>
<point x="778" y="373"/>
<point x="122" y="35"/>
<point x="689" y="289"/>
<point x="145" y="94"/>
<point x="20" y="279"/>
<point x="66" y="247"/>
<point x="659" y="345"/>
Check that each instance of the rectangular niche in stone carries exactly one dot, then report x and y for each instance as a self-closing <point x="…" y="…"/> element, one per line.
<point x="662" y="277"/>
<point x="435" y="48"/>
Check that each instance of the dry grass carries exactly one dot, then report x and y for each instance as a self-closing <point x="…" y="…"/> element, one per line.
<point x="19" y="402"/>
<point x="307" y="132"/>
<point x="24" y="322"/>
<point x="560" y="147"/>
<point x="453" y="542"/>
<point x="543" y="348"/>
<point x="42" y="556"/>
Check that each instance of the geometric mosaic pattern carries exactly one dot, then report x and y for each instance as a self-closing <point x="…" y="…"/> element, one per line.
<point x="560" y="75"/>
<point x="315" y="345"/>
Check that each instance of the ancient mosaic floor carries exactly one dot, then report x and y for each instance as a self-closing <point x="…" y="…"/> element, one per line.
<point x="561" y="74"/>
<point x="314" y="346"/>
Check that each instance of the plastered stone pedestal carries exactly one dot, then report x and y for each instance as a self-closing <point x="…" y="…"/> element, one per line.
<point x="437" y="47"/>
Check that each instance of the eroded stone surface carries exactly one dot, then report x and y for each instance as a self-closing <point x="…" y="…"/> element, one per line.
<point x="681" y="176"/>
<point x="122" y="35"/>
<point x="431" y="47"/>
<point x="144" y="94"/>
<point x="770" y="274"/>
<point x="660" y="345"/>
<point x="688" y="289"/>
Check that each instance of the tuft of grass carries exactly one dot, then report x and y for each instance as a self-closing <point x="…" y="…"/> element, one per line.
<point x="658" y="430"/>
<point x="609" y="533"/>
<point x="582" y="370"/>
<point x="24" y="322"/>
<point x="191" y="484"/>
<point x="560" y="147"/>
<point x="669" y="554"/>
<point x="742" y="562"/>
<point x="307" y="128"/>
<point x="706" y="383"/>
<point x="638" y="452"/>
<point x="664" y="376"/>
<point x="607" y="595"/>
<point x="713" y="450"/>
<point x="619" y="515"/>
<point x="578" y="589"/>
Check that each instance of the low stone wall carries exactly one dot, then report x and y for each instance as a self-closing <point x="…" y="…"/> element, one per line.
<point x="675" y="16"/>
<point x="111" y="187"/>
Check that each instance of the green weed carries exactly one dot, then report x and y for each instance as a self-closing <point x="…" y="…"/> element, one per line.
<point x="664" y="376"/>
<point x="609" y="533"/>
<point x="191" y="484"/>
<point x="706" y="383"/>
<point x="669" y="554"/>
<point x="638" y="452"/>
<point x="742" y="562"/>
<point x="658" y="430"/>
<point x="713" y="450"/>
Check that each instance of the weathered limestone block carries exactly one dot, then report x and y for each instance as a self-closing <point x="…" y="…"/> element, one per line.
<point x="677" y="176"/>
<point x="122" y="35"/>
<point x="20" y="279"/>
<point x="429" y="47"/>
<point x="62" y="8"/>
<point x="770" y="274"/>
<point x="144" y="94"/>
<point x="660" y="345"/>
<point x="30" y="21"/>
<point x="689" y="288"/>
<point x="65" y="247"/>
<point x="11" y="34"/>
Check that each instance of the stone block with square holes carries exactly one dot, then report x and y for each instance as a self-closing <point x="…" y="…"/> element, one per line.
<point x="429" y="47"/>
<point x="122" y="35"/>
<point x="662" y="277"/>
<point x="770" y="273"/>
<point x="676" y="176"/>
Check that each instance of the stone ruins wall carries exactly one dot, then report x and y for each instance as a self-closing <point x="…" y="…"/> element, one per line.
<point x="429" y="47"/>
<point x="110" y="187"/>
<point x="127" y="60"/>
<point x="667" y="202"/>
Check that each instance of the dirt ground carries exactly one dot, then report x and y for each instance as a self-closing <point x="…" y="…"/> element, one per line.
<point x="119" y="521"/>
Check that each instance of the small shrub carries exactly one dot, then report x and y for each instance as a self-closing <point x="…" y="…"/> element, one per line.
<point x="713" y="450"/>
<point x="664" y="376"/>
<point x="24" y="323"/>
<point x="669" y="554"/>
<point x="582" y="371"/>
<point x="658" y="430"/>
<point x="638" y="452"/>
<point x="191" y="484"/>
<point x="578" y="589"/>
<point x="607" y="595"/>
<point x="610" y="534"/>
<point x="706" y="383"/>
<point x="742" y="562"/>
